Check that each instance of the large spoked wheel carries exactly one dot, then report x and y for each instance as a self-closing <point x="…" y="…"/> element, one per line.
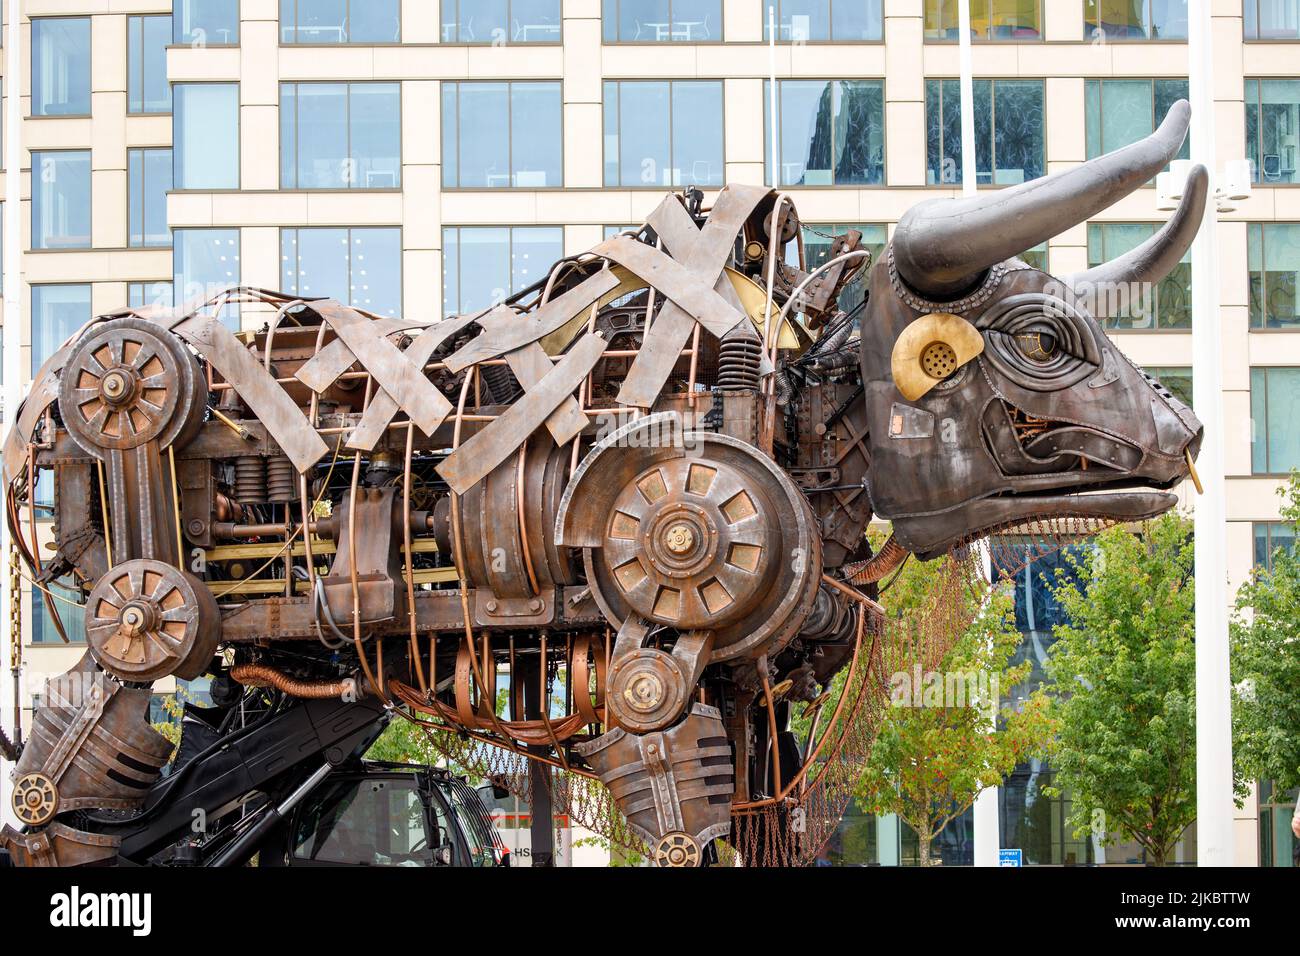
<point x="718" y="540"/>
<point x="129" y="382"/>
<point x="146" y="620"/>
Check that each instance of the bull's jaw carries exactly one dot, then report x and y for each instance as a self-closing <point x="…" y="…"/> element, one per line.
<point x="932" y="535"/>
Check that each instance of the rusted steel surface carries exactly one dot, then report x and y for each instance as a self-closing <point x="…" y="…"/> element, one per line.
<point x="623" y="492"/>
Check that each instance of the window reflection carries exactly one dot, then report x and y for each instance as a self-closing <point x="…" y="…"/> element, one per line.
<point x="1272" y="536"/>
<point x="359" y="266"/>
<point x="1166" y="306"/>
<point x="483" y="265"/>
<point x="665" y="133"/>
<point x="340" y="21"/>
<point x="831" y="132"/>
<point x="1016" y="20"/>
<point x="1272" y="120"/>
<point x="502" y="135"/>
<point x="1271" y="19"/>
<point x="61" y="66"/>
<point x="1120" y="112"/>
<point x="821" y="21"/>
<point x="340" y="135"/>
<point x="1273" y="258"/>
<point x="146" y="53"/>
<point x="1008" y="131"/>
<point x="1274" y="410"/>
<point x="1135" y="19"/>
<point x="205" y="135"/>
<point x="61" y="199"/>
<point x="57" y="312"/>
<point x="662" y="21"/>
<point x="149" y="177"/>
<point x="206" y="22"/>
<point x="206" y="263"/>
<point x="498" y="22"/>
<point x="67" y="603"/>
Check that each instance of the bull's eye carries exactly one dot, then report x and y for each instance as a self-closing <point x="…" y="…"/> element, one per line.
<point x="1037" y="346"/>
<point x="1040" y="342"/>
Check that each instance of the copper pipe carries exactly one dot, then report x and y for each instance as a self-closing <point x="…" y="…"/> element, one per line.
<point x="890" y="556"/>
<point x="263" y="675"/>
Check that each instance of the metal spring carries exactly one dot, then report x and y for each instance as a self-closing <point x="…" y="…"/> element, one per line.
<point x="250" y="479"/>
<point x="739" y="358"/>
<point x="501" y="382"/>
<point x="281" y="479"/>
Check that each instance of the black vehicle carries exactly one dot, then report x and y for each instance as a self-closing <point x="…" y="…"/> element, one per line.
<point x="388" y="814"/>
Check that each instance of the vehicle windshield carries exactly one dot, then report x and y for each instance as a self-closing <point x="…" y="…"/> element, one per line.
<point x="366" y="822"/>
<point x="474" y="823"/>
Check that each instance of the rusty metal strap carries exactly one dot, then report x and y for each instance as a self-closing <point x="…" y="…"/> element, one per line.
<point x="283" y="419"/>
<point x="379" y="413"/>
<point x="469" y="463"/>
<point x="323" y="369"/>
<point x="504" y="330"/>
<point x="531" y="365"/>
<point x="674" y="281"/>
<point x="399" y="376"/>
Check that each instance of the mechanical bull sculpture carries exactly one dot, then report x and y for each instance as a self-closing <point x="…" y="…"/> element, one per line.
<point x="614" y="523"/>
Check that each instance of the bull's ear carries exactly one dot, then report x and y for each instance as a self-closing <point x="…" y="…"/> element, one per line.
<point x="930" y="349"/>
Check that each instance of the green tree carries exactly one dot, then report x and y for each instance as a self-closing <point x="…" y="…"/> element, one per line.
<point x="1122" y="677"/>
<point x="948" y="737"/>
<point x="1266" y="664"/>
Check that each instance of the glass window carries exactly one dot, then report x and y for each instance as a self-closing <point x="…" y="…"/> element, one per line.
<point x="1274" y="410"/>
<point x="340" y="21"/>
<point x="660" y="21"/>
<point x="61" y="66"/>
<point x="204" y="263"/>
<point x="206" y="22"/>
<point x="147" y="89"/>
<point x="1120" y="112"/>
<point x="497" y="22"/>
<point x="1176" y="378"/>
<point x="205" y="136"/>
<point x="57" y="312"/>
<point x="367" y="822"/>
<point x="499" y="135"/>
<point x="814" y="21"/>
<point x="817" y="241"/>
<point x="140" y="294"/>
<point x="1273" y="258"/>
<point x="1166" y="306"/>
<point x="1271" y="536"/>
<point x="989" y="20"/>
<point x="1135" y="19"/>
<point x="149" y="177"/>
<point x="831" y="132"/>
<point x="666" y="133"/>
<point x="483" y="265"/>
<point x="61" y="199"/>
<point x="1271" y="19"/>
<point x="340" y="135"/>
<point x="1008" y="131"/>
<point x="72" y="614"/>
<point x="362" y="267"/>
<point x="1272" y="120"/>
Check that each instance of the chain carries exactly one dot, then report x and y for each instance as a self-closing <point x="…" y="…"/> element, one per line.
<point x="15" y="612"/>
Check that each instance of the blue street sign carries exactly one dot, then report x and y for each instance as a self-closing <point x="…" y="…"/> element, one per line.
<point x="1009" y="858"/>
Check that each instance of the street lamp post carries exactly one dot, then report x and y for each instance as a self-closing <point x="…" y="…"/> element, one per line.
<point x="1214" y="794"/>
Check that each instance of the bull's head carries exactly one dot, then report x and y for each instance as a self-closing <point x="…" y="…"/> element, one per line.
<point x="993" y="394"/>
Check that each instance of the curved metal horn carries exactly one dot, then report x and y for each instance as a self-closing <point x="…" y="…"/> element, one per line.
<point x="942" y="246"/>
<point x="1152" y="260"/>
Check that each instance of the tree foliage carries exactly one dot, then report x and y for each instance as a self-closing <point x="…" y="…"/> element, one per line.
<point x="948" y="738"/>
<point x="1266" y="664"/>
<point x="1122" y="677"/>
